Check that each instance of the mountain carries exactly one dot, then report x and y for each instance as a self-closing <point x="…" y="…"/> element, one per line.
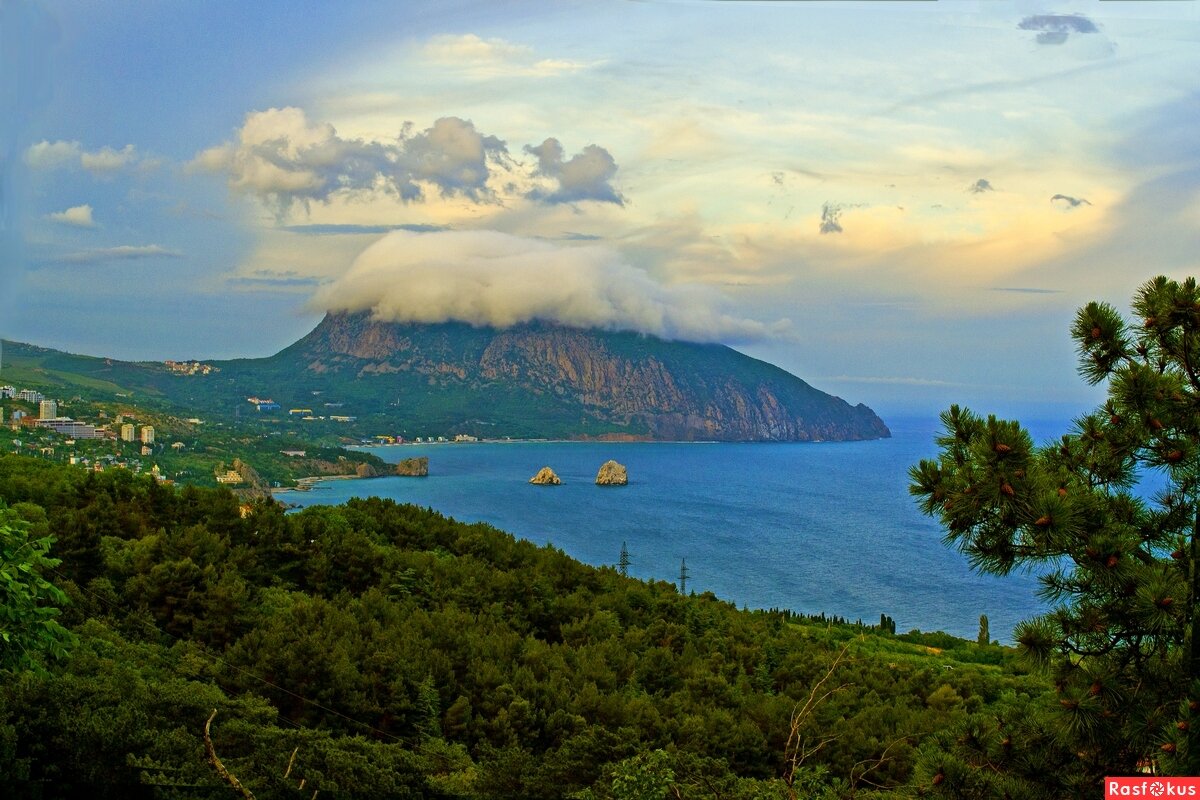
<point x="551" y="380"/>
<point x="536" y="380"/>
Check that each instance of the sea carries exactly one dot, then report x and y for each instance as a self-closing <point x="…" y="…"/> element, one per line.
<point x="812" y="527"/>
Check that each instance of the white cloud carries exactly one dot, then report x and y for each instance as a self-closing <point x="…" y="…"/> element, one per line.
<point x="496" y="279"/>
<point x="107" y="160"/>
<point x="63" y="154"/>
<point x="469" y="53"/>
<point x="78" y="216"/>
<point x="455" y="49"/>
<point x="52" y="155"/>
<point x="282" y="158"/>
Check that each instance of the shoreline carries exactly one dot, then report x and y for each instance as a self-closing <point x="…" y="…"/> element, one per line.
<point x="307" y="483"/>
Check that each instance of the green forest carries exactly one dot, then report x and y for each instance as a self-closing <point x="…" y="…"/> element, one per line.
<point x="401" y="654"/>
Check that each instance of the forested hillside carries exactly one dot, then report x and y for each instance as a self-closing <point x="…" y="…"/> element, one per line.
<point x="382" y="650"/>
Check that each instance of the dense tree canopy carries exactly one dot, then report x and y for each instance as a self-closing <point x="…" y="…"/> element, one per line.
<point x="406" y="654"/>
<point x="29" y="604"/>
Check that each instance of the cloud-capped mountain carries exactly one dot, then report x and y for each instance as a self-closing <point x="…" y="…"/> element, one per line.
<point x="541" y="379"/>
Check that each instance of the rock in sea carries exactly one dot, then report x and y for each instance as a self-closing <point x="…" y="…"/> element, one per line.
<point x="413" y="467"/>
<point x="545" y="477"/>
<point x="612" y="474"/>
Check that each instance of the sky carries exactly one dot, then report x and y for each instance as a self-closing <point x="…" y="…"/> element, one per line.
<point x="902" y="203"/>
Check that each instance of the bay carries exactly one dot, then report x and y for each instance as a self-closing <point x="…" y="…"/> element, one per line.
<point x="814" y="527"/>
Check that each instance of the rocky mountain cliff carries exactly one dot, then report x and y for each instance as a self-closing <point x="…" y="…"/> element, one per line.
<point x="548" y="380"/>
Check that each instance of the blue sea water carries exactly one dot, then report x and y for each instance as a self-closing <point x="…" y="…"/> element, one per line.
<point x="808" y="526"/>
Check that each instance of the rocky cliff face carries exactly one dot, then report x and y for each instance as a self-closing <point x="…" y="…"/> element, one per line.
<point x="647" y="387"/>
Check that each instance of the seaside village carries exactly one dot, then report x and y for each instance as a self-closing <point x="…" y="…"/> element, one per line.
<point x="266" y="404"/>
<point x="39" y="429"/>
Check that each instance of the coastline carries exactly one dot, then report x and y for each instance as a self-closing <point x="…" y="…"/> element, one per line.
<point x="307" y="483"/>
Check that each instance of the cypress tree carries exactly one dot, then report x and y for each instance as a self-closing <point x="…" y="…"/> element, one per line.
<point x="1122" y="642"/>
<point x="984" y="638"/>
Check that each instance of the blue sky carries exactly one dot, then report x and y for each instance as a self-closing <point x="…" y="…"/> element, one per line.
<point x="902" y="203"/>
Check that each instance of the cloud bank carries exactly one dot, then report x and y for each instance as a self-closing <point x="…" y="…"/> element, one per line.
<point x="496" y="279"/>
<point x="283" y="158"/>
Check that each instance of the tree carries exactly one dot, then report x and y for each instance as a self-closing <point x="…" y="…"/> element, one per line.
<point x="28" y="602"/>
<point x="1121" y="642"/>
<point x="984" y="638"/>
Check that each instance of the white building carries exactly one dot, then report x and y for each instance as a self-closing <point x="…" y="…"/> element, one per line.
<point x="71" y="428"/>
<point x="30" y="396"/>
<point x="128" y="433"/>
<point x="47" y="409"/>
<point x="147" y="434"/>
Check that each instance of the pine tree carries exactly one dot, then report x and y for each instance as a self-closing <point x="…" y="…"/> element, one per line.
<point x="1122" y="642"/>
<point x="984" y="638"/>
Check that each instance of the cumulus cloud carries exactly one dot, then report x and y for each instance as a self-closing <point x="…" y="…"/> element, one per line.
<point x="830" y="214"/>
<point x="53" y="155"/>
<point x="980" y="186"/>
<point x="452" y="155"/>
<point x="1057" y="28"/>
<point x="497" y="279"/>
<point x="107" y="160"/>
<point x="62" y="154"/>
<point x="77" y="216"/>
<point x="125" y="252"/>
<point x="282" y="158"/>
<point x="1068" y="202"/>
<point x="585" y="176"/>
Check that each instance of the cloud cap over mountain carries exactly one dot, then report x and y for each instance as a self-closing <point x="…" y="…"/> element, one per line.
<point x="495" y="279"/>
